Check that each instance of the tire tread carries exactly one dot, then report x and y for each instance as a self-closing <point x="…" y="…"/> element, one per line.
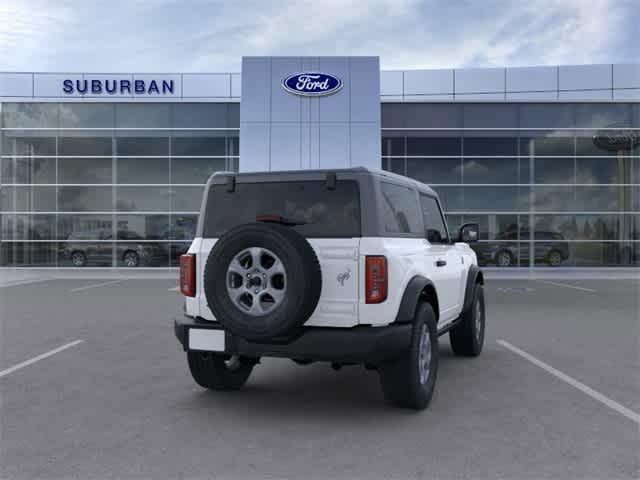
<point x="400" y="379"/>
<point x="211" y="372"/>
<point x="462" y="337"/>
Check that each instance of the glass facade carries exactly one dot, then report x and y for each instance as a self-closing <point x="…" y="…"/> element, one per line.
<point x="120" y="184"/>
<point x="550" y="184"/>
<point x="105" y="184"/>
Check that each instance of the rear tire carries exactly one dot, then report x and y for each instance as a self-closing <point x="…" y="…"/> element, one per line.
<point x="409" y="380"/>
<point x="78" y="259"/>
<point x="467" y="338"/>
<point x="130" y="259"/>
<point x="554" y="258"/>
<point x="504" y="258"/>
<point x="219" y="371"/>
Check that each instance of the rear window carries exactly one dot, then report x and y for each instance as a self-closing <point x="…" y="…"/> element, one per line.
<point x="326" y="213"/>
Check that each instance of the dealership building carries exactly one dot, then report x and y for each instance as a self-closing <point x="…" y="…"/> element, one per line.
<point x="108" y="170"/>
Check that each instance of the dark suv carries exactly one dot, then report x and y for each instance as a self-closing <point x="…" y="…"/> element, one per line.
<point x="83" y="249"/>
<point x="550" y="248"/>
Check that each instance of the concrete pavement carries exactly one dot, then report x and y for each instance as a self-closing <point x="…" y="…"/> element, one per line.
<point x="122" y="404"/>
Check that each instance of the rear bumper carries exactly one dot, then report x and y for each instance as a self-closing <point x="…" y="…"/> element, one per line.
<point x="361" y="344"/>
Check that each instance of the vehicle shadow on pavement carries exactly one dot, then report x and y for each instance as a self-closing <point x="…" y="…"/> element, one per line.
<point x="280" y="388"/>
<point x="301" y="391"/>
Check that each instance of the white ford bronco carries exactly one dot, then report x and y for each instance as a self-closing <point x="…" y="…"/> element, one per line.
<point x="346" y="266"/>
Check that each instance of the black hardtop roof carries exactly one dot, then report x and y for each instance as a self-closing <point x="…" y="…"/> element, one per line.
<point x="219" y="178"/>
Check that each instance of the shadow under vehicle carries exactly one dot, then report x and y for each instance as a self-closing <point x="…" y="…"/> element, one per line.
<point x="97" y="248"/>
<point x="550" y="248"/>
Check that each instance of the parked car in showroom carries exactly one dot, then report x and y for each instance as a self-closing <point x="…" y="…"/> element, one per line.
<point x="95" y="248"/>
<point x="550" y="248"/>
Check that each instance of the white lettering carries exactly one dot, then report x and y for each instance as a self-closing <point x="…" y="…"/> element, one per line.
<point x="311" y="83"/>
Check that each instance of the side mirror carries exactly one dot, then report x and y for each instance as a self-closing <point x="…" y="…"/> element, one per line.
<point x="433" y="236"/>
<point x="469" y="233"/>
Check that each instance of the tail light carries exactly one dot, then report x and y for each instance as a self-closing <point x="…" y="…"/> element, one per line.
<point x="188" y="275"/>
<point x="376" y="279"/>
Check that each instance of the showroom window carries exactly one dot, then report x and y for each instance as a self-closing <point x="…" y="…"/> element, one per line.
<point x="104" y="180"/>
<point x="70" y="171"/>
<point x="538" y="178"/>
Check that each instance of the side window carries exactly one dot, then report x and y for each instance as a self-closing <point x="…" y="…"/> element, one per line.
<point x="400" y="210"/>
<point x="436" y="231"/>
<point x="542" y="236"/>
<point x="508" y="235"/>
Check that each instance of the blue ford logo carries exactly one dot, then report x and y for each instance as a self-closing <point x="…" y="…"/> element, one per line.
<point x="312" y="84"/>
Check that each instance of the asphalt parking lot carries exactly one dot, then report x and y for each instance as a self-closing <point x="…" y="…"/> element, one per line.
<point x="115" y="398"/>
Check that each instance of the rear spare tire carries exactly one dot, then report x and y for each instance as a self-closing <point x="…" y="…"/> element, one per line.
<point x="262" y="281"/>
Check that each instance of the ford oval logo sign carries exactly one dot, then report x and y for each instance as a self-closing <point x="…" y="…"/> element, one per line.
<point x="312" y="84"/>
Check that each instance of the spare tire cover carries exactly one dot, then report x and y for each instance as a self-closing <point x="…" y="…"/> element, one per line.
<point x="262" y="281"/>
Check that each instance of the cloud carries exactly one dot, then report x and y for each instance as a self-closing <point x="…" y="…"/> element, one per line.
<point x="547" y="32"/>
<point x="537" y="32"/>
<point x="321" y="23"/>
<point x="201" y="35"/>
<point x="28" y="30"/>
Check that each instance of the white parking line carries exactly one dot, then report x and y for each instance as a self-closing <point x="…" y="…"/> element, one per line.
<point x="174" y="289"/>
<point x="24" y="282"/>
<point x="568" y="286"/>
<point x="95" y="285"/>
<point x="39" y="357"/>
<point x="612" y="404"/>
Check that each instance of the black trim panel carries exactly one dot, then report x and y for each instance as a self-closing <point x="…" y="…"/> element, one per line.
<point x="474" y="272"/>
<point x="410" y="299"/>
<point x="361" y="344"/>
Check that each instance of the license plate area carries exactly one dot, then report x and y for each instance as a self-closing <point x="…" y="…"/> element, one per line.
<point x="208" y="340"/>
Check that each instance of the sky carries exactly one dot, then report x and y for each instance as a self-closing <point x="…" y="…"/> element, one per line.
<point x="211" y="36"/>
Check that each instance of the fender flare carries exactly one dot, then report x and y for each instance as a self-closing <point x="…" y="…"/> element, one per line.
<point x="411" y="298"/>
<point x="474" y="276"/>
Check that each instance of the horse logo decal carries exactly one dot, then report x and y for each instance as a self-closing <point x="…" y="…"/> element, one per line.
<point x="346" y="275"/>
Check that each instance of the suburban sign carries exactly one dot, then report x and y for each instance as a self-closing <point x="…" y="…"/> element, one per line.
<point x="100" y="86"/>
<point x="312" y="84"/>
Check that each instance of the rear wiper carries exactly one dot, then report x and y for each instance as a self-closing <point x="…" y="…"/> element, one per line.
<point x="290" y="222"/>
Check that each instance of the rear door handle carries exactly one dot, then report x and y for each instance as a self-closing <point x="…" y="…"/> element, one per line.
<point x="441" y="263"/>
